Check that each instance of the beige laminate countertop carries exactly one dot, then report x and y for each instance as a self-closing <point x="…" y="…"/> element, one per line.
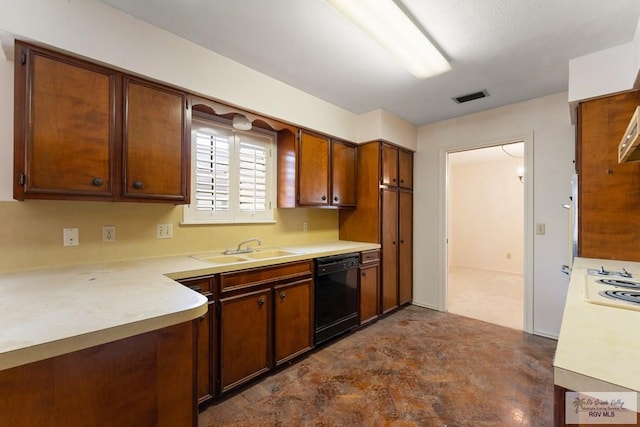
<point x="46" y="313"/>
<point x="599" y="345"/>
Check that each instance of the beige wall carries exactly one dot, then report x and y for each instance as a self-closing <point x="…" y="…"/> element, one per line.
<point x="486" y="208"/>
<point x="546" y="125"/>
<point x="31" y="232"/>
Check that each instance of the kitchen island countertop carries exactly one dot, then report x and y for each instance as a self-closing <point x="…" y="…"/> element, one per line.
<point x="46" y="313"/>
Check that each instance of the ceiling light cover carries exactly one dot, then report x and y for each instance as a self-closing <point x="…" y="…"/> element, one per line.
<point x="390" y="27"/>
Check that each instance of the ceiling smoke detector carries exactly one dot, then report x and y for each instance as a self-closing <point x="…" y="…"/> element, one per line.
<point x="470" y="97"/>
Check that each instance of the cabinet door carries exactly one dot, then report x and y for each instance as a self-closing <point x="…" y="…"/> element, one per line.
<point x="293" y="333"/>
<point x="244" y="337"/>
<point x="609" y="199"/>
<point x="369" y="283"/>
<point x="389" y="165"/>
<point x="389" y="249"/>
<point x="405" y="168"/>
<point x="205" y="357"/>
<point x="405" y="251"/>
<point x="64" y="127"/>
<point x="313" y="170"/>
<point x="156" y="147"/>
<point x="343" y="174"/>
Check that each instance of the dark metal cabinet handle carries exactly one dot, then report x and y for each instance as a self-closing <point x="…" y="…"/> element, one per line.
<point x="283" y="294"/>
<point x="393" y="243"/>
<point x="137" y="185"/>
<point x="97" y="181"/>
<point x="364" y="274"/>
<point x="261" y="301"/>
<point x="335" y="198"/>
<point x="401" y="241"/>
<point x="324" y="198"/>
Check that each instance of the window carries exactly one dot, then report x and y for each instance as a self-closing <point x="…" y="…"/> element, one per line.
<point x="232" y="174"/>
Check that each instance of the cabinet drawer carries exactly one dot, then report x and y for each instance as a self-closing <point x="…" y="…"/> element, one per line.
<point x="204" y="285"/>
<point x="262" y="275"/>
<point x="370" y="256"/>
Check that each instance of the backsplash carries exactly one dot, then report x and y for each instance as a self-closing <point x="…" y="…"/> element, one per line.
<point x="31" y="236"/>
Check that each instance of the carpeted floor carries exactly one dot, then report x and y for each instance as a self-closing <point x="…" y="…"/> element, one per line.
<point x="416" y="367"/>
<point x="493" y="296"/>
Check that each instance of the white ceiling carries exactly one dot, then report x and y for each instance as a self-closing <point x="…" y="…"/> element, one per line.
<point x="515" y="49"/>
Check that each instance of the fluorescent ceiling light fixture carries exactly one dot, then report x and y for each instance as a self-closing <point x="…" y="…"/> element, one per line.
<point x="385" y="22"/>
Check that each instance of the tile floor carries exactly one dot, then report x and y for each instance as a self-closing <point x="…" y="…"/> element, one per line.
<point x="493" y="296"/>
<point x="416" y="367"/>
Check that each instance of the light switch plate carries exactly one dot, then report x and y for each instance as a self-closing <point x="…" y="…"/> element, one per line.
<point x="70" y="237"/>
<point x="540" y="229"/>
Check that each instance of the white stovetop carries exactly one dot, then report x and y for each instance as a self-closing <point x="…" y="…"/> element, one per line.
<point x="599" y="343"/>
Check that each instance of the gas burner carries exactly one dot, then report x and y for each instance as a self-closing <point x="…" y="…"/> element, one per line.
<point x="622" y="295"/>
<point x="620" y="283"/>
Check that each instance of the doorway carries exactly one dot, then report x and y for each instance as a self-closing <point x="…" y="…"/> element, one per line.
<point x="485" y="233"/>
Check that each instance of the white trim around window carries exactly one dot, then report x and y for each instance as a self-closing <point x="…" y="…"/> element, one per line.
<point x="232" y="174"/>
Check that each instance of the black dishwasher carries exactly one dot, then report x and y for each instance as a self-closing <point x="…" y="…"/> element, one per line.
<point x="336" y="296"/>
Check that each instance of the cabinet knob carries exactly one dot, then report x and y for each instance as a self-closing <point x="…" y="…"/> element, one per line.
<point x="335" y="198"/>
<point x="97" y="181"/>
<point x="261" y="301"/>
<point x="402" y="181"/>
<point x="324" y="198"/>
<point x="137" y="185"/>
<point x="401" y="241"/>
<point x="394" y="180"/>
<point x="283" y="294"/>
<point x="393" y="243"/>
<point x="364" y="274"/>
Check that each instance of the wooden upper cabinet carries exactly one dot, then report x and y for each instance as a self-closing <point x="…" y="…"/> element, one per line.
<point x="609" y="199"/>
<point x="155" y="145"/>
<point x="343" y="174"/>
<point x="87" y="132"/>
<point x="313" y="169"/>
<point x="405" y="168"/>
<point x="65" y="129"/>
<point x="389" y="165"/>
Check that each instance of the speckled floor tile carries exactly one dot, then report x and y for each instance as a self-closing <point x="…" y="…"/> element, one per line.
<point x="417" y="367"/>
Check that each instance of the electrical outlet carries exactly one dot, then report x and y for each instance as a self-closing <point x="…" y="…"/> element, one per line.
<point x="164" y="231"/>
<point x="70" y="237"/>
<point x="305" y="225"/>
<point x="108" y="233"/>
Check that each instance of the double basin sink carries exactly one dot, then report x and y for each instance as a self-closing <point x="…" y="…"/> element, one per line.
<point x="257" y="255"/>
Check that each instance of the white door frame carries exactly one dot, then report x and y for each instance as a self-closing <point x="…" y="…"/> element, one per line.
<point x="528" y="220"/>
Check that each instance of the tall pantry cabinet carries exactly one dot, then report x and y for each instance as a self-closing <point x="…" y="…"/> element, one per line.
<point x="385" y="215"/>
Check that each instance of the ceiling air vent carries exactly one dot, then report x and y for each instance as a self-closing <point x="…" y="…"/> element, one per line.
<point x="470" y="97"/>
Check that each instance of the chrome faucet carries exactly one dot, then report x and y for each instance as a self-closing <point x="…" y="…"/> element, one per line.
<point x="240" y="250"/>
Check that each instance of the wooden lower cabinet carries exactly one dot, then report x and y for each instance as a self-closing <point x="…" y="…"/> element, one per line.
<point x="369" y="284"/>
<point x="293" y="314"/>
<point x="144" y="380"/>
<point x="245" y="326"/>
<point x="206" y="356"/>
